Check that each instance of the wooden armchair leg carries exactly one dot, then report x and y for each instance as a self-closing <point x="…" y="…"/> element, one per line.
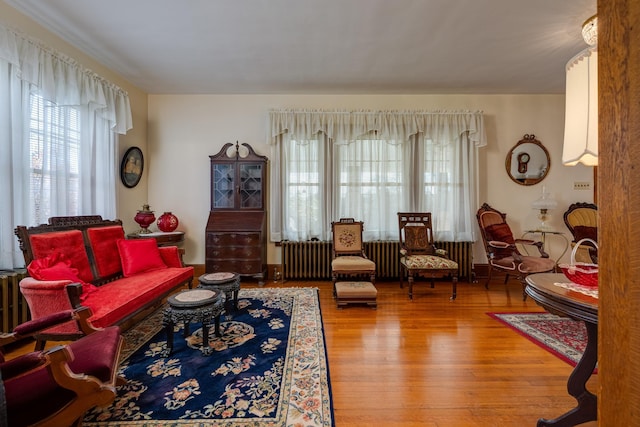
<point x="454" y="288"/>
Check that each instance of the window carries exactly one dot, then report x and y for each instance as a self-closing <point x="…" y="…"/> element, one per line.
<point x="304" y="182"/>
<point x="59" y="132"/>
<point x="370" y="166"/>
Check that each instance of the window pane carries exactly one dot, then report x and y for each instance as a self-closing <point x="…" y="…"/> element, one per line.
<point x="54" y="144"/>
<point x="303" y="190"/>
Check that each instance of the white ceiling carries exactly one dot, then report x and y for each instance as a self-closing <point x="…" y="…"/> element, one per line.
<point x="325" y="46"/>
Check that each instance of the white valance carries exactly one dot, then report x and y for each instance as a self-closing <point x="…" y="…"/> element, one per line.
<point x="344" y="126"/>
<point x="64" y="81"/>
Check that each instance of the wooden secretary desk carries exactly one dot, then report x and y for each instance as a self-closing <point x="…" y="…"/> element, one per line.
<point x="236" y="229"/>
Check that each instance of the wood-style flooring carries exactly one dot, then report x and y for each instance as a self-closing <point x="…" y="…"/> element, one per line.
<point x="435" y="362"/>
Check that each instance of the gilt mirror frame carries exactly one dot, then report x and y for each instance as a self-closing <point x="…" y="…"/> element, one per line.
<point x="528" y="162"/>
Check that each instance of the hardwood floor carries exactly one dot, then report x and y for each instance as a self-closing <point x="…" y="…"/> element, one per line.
<point x="433" y="362"/>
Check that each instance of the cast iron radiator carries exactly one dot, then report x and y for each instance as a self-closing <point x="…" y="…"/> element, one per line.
<point x="312" y="260"/>
<point x="14" y="309"/>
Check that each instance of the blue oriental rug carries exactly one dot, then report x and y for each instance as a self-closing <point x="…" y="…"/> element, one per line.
<point x="269" y="368"/>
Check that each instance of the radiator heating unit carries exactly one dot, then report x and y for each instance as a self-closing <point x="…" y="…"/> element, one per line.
<point x="14" y="309"/>
<point x="312" y="260"/>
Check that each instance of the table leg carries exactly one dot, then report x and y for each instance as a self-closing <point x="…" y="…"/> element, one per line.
<point x="587" y="409"/>
<point x="169" y="331"/>
<point x="206" y="350"/>
<point x="186" y="329"/>
<point x="217" y="327"/>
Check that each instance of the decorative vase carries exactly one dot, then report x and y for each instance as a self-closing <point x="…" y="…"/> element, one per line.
<point x="144" y="218"/>
<point x="167" y="222"/>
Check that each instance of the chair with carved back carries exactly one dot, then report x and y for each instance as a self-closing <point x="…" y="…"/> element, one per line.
<point x="582" y="221"/>
<point x="57" y="386"/>
<point x="502" y="250"/>
<point x="418" y="254"/>
<point x="348" y="256"/>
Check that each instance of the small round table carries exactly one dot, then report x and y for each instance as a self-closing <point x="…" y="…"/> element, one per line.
<point x="558" y="300"/>
<point x="229" y="283"/>
<point x="190" y="306"/>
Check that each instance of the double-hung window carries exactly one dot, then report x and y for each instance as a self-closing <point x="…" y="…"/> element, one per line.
<point x="54" y="145"/>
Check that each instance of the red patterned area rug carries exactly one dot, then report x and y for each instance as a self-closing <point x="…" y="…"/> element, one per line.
<point x="564" y="337"/>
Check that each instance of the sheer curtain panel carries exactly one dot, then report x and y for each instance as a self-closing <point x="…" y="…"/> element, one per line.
<point x="58" y="138"/>
<point x="369" y="165"/>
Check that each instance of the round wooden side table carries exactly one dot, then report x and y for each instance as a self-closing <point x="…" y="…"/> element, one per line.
<point x="229" y="283"/>
<point x="193" y="306"/>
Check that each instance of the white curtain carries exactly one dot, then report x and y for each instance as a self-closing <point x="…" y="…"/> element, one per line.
<point x="369" y="165"/>
<point x="58" y="138"/>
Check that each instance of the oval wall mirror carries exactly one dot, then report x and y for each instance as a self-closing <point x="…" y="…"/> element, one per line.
<point x="528" y="162"/>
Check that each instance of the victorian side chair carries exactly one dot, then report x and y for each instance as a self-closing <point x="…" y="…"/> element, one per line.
<point x="418" y="254"/>
<point x="348" y="257"/>
<point x="582" y="221"/>
<point x="502" y="250"/>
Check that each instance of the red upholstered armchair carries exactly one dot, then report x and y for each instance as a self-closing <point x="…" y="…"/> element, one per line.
<point x="502" y="250"/>
<point x="56" y="387"/>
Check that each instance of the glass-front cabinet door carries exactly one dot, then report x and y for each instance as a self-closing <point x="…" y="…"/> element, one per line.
<point x="223" y="186"/>
<point x="237" y="178"/>
<point x="251" y="186"/>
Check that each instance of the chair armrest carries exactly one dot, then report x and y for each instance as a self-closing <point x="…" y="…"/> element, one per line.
<point x="535" y="243"/>
<point x="22" y="364"/>
<point x="29" y="283"/>
<point x="85" y="386"/>
<point x="32" y="327"/>
<point x="501" y="245"/>
<point x="442" y="253"/>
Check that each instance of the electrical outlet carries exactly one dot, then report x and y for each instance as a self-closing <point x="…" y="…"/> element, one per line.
<point x="582" y="185"/>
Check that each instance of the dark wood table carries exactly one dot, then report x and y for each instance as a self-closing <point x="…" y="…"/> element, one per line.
<point x="193" y="305"/>
<point x="578" y="306"/>
<point x="171" y="238"/>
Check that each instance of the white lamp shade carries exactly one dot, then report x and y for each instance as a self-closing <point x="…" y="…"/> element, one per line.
<point x="581" y="112"/>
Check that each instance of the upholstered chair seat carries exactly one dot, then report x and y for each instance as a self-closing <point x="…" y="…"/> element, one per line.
<point x="427" y="261"/>
<point x="352" y="263"/>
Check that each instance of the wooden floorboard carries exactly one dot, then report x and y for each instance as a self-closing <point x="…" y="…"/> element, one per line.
<point x="436" y="362"/>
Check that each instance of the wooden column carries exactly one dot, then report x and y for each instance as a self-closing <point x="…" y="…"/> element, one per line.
<point x="619" y="207"/>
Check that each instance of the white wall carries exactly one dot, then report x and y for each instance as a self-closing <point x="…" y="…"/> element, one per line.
<point x="184" y="130"/>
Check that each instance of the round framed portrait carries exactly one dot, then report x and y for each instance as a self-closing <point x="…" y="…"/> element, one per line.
<point x="131" y="167"/>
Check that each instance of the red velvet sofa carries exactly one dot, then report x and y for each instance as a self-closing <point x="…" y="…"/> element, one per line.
<point x="88" y="262"/>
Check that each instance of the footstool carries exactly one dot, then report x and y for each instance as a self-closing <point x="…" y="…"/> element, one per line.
<point x="229" y="283"/>
<point x="355" y="292"/>
<point x="193" y="306"/>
